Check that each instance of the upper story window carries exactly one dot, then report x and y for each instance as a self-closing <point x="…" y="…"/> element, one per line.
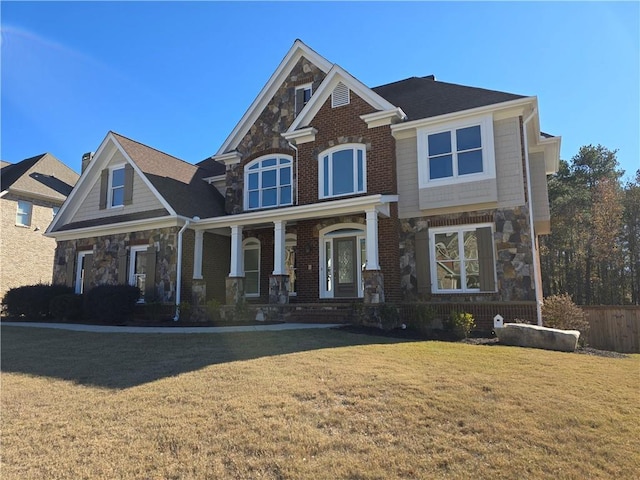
<point x="116" y="187"/>
<point x="456" y="152"/>
<point x="268" y="182"/>
<point x="342" y="171"/>
<point x="303" y="95"/>
<point x="23" y="214"/>
<point x="54" y="211"/>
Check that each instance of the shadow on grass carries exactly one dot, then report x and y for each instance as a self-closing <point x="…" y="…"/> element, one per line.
<point x="120" y="361"/>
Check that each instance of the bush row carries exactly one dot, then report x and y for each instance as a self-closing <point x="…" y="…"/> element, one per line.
<point x="105" y="303"/>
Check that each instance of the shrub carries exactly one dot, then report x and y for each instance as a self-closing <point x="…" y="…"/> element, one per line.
<point x="111" y="303"/>
<point x="461" y="324"/>
<point x="389" y="316"/>
<point x="422" y="319"/>
<point x="559" y="311"/>
<point x="32" y="300"/>
<point x="184" y="310"/>
<point x="66" y="307"/>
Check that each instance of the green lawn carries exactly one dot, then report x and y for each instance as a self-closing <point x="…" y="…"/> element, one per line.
<point x="309" y="404"/>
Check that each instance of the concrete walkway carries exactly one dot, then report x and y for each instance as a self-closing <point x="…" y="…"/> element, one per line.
<point x="113" y="329"/>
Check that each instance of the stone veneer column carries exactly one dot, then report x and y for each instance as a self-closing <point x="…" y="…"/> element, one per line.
<point x="234" y="290"/>
<point x="198" y="299"/>
<point x="279" y="289"/>
<point x="373" y="286"/>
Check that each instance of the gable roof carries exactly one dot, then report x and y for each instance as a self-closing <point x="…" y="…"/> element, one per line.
<point x="180" y="183"/>
<point x="43" y="175"/>
<point x="297" y="51"/>
<point x="12" y="172"/>
<point x="424" y="97"/>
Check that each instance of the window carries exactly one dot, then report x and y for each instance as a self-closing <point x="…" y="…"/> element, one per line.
<point x="457" y="151"/>
<point x="342" y="171"/>
<point x="268" y="182"/>
<point x="54" y="211"/>
<point x="290" y="263"/>
<point x="462" y="259"/>
<point x="251" y="252"/>
<point x="116" y="187"/>
<point x="138" y="269"/>
<point x="83" y="268"/>
<point x="23" y="214"/>
<point x="303" y="95"/>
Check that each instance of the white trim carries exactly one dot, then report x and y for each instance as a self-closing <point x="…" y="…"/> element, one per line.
<point x="457" y="229"/>
<point x="354" y="147"/>
<point x="496" y="109"/>
<point x="329" y="232"/>
<point x="384" y="117"/>
<point x="79" y="280"/>
<point x="332" y="208"/>
<point x="131" y="280"/>
<point x="259" y="170"/>
<point x="251" y="243"/>
<point x="229" y="158"/>
<point x="110" y="187"/>
<point x="304" y="135"/>
<point x="115" y="228"/>
<point x="297" y="51"/>
<point x="336" y="75"/>
<point x="488" y="151"/>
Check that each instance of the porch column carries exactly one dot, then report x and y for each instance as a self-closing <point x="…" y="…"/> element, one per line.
<point x="372" y="240"/>
<point x="279" y="279"/>
<point x="279" y="247"/>
<point x="235" y="280"/>
<point x="197" y="255"/>
<point x="237" y="260"/>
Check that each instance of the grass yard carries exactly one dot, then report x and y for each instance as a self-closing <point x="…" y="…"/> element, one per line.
<point x="312" y="404"/>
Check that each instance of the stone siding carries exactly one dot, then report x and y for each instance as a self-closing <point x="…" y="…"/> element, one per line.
<point x="512" y="250"/>
<point x="106" y="251"/>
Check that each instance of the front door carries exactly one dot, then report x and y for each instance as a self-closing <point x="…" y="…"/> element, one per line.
<point x="345" y="260"/>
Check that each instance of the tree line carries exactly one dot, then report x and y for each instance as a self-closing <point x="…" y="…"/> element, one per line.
<point x="593" y="251"/>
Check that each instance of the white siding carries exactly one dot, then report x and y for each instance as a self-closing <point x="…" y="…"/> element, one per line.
<point x="143" y="198"/>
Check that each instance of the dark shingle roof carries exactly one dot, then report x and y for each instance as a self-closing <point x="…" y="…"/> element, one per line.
<point x="180" y="183"/>
<point x="129" y="217"/>
<point x="214" y="167"/>
<point x="424" y="97"/>
<point x="12" y="172"/>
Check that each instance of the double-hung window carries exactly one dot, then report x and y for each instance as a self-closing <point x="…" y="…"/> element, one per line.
<point x="116" y="187"/>
<point x="456" y="152"/>
<point x="23" y="214"/>
<point x="268" y="182"/>
<point x="462" y="259"/>
<point x="303" y="95"/>
<point x="342" y="171"/>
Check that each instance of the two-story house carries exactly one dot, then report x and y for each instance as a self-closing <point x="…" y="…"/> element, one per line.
<point x="330" y="191"/>
<point x="31" y="193"/>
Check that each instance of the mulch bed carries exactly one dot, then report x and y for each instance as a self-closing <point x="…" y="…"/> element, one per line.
<point x="440" y="335"/>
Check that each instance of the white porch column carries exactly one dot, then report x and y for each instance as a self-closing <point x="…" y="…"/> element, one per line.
<point x="197" y="255"/>
<point x="279" y="227"/>
<point x="372" y="240"/>
<point x="237" y="259"/>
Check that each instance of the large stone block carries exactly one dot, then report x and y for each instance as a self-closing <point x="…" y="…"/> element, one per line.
<point x="533" y="336"/>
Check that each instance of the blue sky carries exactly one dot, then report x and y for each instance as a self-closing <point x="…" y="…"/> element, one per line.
<point x="179" y="76"/>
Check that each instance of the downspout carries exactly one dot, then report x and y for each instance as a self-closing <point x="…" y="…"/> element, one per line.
<point x="537" y="275"/>
<point x="179" y="270"/>
<point x="296" y="149"/>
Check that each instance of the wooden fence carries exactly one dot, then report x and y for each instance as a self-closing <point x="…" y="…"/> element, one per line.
<point x="615" y="328"/>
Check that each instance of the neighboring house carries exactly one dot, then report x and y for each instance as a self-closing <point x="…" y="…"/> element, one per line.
<point x="332" y="191"/>
<point x="31" y="193"/>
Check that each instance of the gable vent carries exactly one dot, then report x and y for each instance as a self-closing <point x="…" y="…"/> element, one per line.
<point x="340" y="95"/>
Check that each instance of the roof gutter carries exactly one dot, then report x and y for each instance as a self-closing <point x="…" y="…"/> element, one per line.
<point x="179" y="269"/>
<point x="537" y="274"/>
